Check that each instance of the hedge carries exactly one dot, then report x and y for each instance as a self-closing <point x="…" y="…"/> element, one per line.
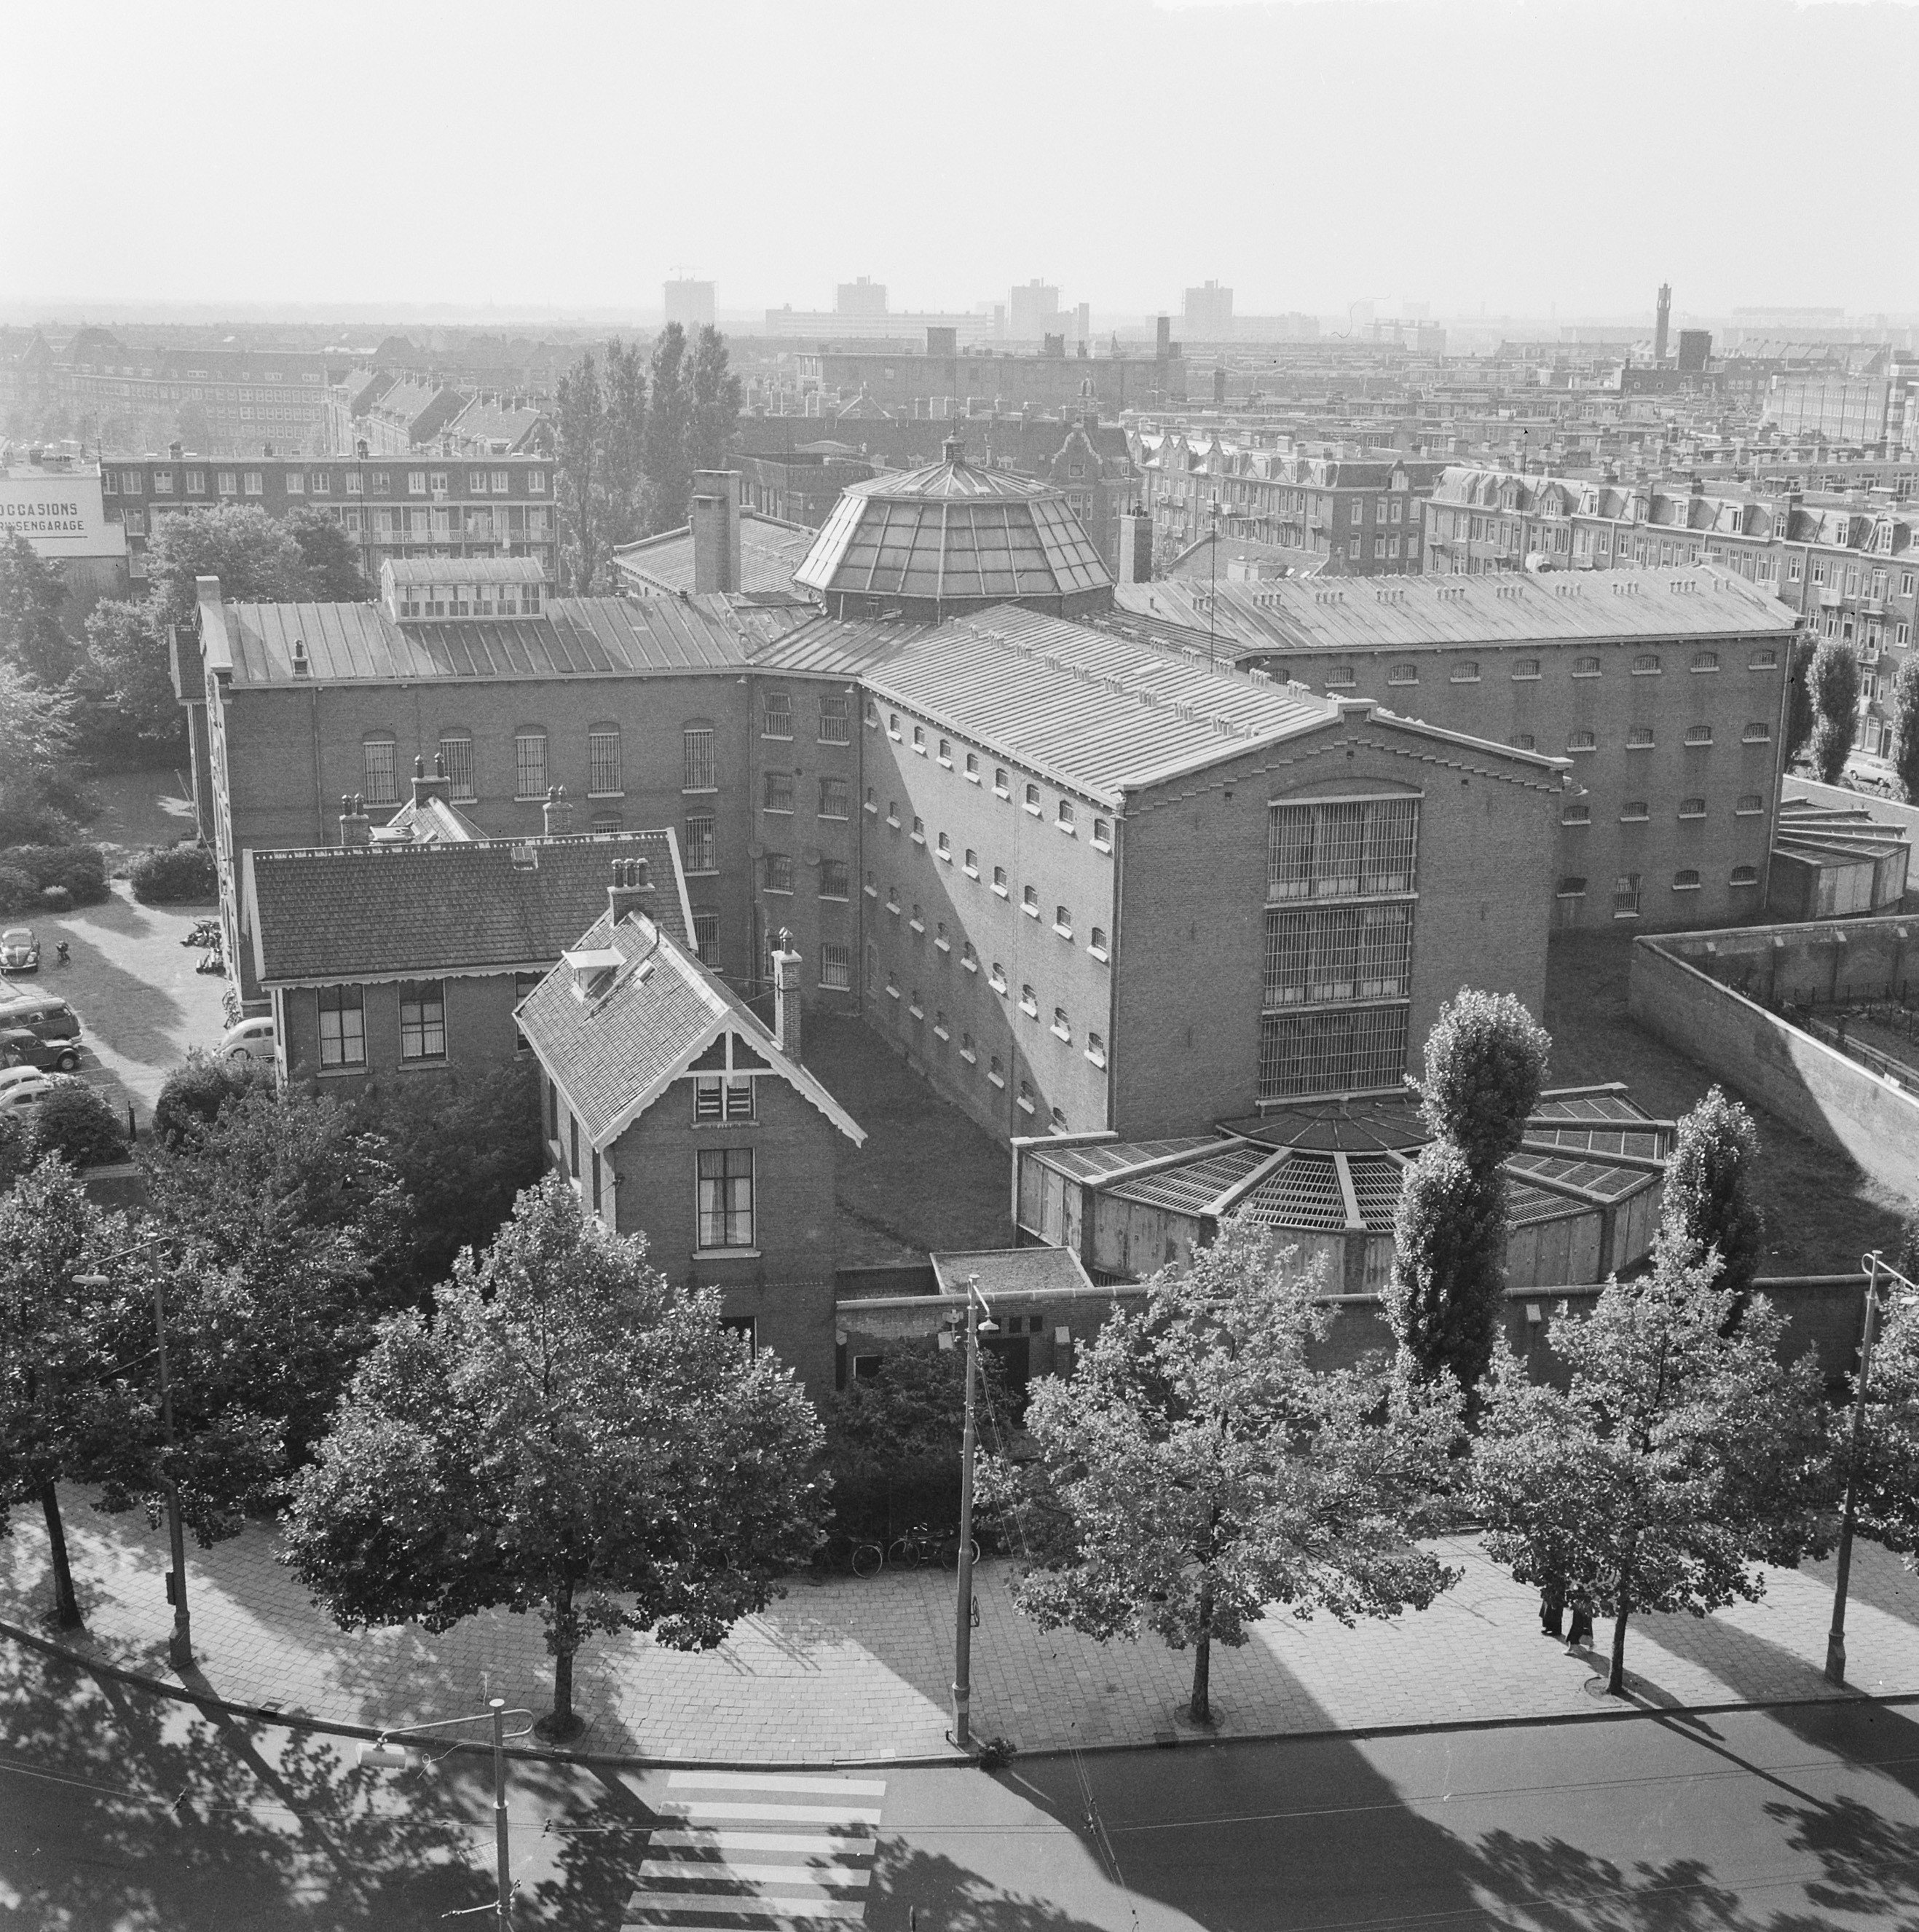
<point x="82" y="869"/>
<point x="74" y="1121"/>
<point x="181" y="875"/>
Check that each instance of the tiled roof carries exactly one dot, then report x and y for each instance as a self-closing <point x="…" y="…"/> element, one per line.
<point x="429" y="821"/>
<point x="770" y="551"/>
<point x="612" y="1056"/>
<point x="369" y="911"/>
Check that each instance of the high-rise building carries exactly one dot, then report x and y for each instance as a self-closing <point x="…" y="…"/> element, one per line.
<point x="690" y="305"/>
<point x="1032" y="312"/>
<point x="864" y="297"/>
<point x="1209" y="315"/>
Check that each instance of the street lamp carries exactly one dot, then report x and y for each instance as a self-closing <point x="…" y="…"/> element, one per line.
<point x="975" y="1306"/>
<point x="1873" y="1268"/>
<point x="180" y="1646"/>
<point x="381" y="1755"/>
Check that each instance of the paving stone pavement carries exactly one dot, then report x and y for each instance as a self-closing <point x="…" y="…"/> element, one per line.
<point x="847" y="1670"/>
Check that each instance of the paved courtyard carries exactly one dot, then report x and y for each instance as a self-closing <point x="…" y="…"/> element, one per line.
<point x="851" y="1669"/>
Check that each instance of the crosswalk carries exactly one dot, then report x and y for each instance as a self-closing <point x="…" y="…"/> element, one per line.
<point x="748" y="1850"/>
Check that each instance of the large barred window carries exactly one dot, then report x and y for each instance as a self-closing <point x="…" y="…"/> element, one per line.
<point x="1343" y="848"/>
<point x="1333" y="956"/>
<point x="1334" y="1052"/>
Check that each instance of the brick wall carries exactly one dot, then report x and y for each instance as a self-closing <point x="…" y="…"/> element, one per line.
<point x="481" y="1034"/>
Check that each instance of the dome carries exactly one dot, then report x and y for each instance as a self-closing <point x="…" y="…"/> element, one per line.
<point x="935" y="542"/>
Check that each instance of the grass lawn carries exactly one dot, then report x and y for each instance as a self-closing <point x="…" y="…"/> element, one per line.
<point x="1822" y="1213"/>
<point x="927" y="1178"/>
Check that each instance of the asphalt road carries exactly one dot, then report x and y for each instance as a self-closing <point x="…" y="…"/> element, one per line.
<point x="120" y="1811"/>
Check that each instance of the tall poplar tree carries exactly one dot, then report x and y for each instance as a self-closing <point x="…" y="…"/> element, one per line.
<point x="1835" y="683"/>
<point x="716" y="411"/>
<point x="665" y="453"/>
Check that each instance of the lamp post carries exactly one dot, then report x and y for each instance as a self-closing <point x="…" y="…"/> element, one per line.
<point x="180" y="1646"/>
<point x="1873" y="1267"/>
<point x="380" y="1756"/>
<point x="976" y="1306"/>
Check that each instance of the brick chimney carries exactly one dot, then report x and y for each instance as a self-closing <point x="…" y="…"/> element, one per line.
<point x="786" y="997"/>
<point x="557" y="814"/>
<point x="356" y="827"/>
<point x="715" y="520"/>
<point x="632" y="890"/>
<point x="1135" y="547"/>
<point x="435" y="786"/>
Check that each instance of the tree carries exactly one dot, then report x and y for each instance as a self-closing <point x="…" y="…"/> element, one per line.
<point x="1800" y="713"/>
<point x="130" y="657"/>
<point x="36" y="747"/>
<point x="1683" y="1453"/>
<point x="192" y="1094"/>
<point x="715" y="415"/>
<point x="567" y="1435"/>
<point x="77" y="1124"/>
<point x="332" y="562"/>
<point x="623" y="434"/>
<point x="1486" y="1066"/>
<point x="32" y="593"/>
<point x="665" y="449"/>
<point x="1708" y="1205"/>
<point x="1886" y="1473"/>
<point x="580" y="414"/>
<point x="1835" y="681"/>
<point x="1905" y="726"/>
<point x="1198" y="1468"/>
<point x="255" y="557"/>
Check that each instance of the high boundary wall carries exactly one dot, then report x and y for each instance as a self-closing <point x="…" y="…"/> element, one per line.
<point x="1678" y="990"/>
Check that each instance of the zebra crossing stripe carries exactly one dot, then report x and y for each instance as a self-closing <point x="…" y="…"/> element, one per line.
<point x="725" y="1855"/>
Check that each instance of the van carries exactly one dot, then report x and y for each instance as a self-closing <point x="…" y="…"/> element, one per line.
<point x="46" y="1013"/>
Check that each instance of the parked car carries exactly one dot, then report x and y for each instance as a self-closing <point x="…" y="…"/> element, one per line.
<point x="251" y="1039"/>
<point x="20" y="949"/>
<point x="46" y="1013"/>
<point x="24" y="1096"/>
<point x="21" y="1046"/>
<point x="12" y="1076"/>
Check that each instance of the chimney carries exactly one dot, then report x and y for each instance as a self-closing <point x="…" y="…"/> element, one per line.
<point x="435" y="786"/>
<point x="632" y="890"/>
<point x="715" y="520"/>
<point x="1135" y="547"/>
<point x="176" y="450"/>
<point x="556" y="815"/>
<point x="1162" y="337"/>
<point x="356" y="827"/>
<point x="786" y="997"/>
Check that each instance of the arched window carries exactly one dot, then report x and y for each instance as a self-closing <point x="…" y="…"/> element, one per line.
<point x="1745" y="875"/>
<point x="379" y="778"/>
<point x="1685" y="880"/>
<point x="1639" y="738"/>
<point x="1646" y="665"/>
<point x="697" y="766"/>
<point x="1692" y="807"/>
<point x="456" y="752"/>
<point x="603" y="776"/>
<point x="1705" y="660"/>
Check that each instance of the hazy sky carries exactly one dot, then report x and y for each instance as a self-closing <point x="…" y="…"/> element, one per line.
<point x="1524" y="154"/>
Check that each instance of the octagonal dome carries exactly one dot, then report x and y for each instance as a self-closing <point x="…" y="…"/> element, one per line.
<point x="936" y="542"/>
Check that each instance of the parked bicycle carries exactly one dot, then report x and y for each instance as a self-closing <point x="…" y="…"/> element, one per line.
<point x="204" y="932"/>
<point x="868" y="1559"/>
<point x="921" y="1547"/>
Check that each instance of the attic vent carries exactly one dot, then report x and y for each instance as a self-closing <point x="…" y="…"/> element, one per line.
<point x="525" y="858"/>
<point x="301" y="667"/>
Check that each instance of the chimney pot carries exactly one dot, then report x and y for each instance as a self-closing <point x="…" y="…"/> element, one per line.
<point x="356" y="827"/>
<point x="631" y="889"/>
<point x="557" y="814"/>
<point x="786" y="997"/>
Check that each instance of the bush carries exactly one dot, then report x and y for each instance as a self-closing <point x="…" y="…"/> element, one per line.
<point x="197" y="1090"/>
<point x="17" y="1153"/>
<point x="75" y="1121"/>
<point x="19" y="891"/>
<point x="81" y="869"/>
<point x="180" y="875"/>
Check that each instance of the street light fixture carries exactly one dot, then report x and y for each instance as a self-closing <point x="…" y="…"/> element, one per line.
<point x="975" y="1306"/>
<point x="180" y="1646"/>
<point x="381" y="1755"/>
<point x="1873" y="1267"/>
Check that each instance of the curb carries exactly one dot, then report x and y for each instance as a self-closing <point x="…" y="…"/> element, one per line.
<point x="954" y="1759"/>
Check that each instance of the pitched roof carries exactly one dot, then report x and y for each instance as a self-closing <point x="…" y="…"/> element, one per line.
<point x="1011" y="1272"/>
<point x="428" y="821"/>
<point x="443" y="909"/>
<point x="614" y="1053"/>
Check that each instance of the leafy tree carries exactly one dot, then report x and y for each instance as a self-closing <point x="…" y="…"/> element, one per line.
<point x="623" y="434"/>
<point x="1835" y="681"/>
<point x="1485" y="1064"/>
<point x="32" y="593"/>
<point x="1709" y="1204"/>
<point x="665" y="450"/>
<point x="77" y="1124"/>
<point x="568" y="1434"/>
<point x="579" y="419"/>
<point x="16" y="1148"/>
<point x="1886" y="1475"/>
<point x="1197" y="1467"/>
<point x="1446" y="1297"/>
<point x="1800" y="713"/>
<point x="129" y="656"/>
<point x="192" y="1094"/>
<point x="1905" y="726"/>
<point x="256" y="558"/>
<point x="332" y="562"/>
<point x="1683" y="1453"/>
<point x="36" y="742"/>
<point x="715" y="415"/>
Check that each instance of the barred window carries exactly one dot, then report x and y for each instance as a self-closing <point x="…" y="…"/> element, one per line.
<point x="1705" y="660"/>
<point x="778" y="791"/>
<point x="697" y="746"/>
<point x="1757" y="733"/>
<point x="603" y="760"/>
<point x="1692" y="807"/>
<point x="1645" y="665"/>
<point x="1745" y="875"/>
<point x="707" y="938"/>
<point x="1339" y="676"/>
<point x="529" y="764"/>
<point x="422" y="1020"/>
<point x="778" y="722"/>
<point x="778" y="872"/>
<point x="1342" y="850"/>
<point x="1334" y="955"/>
<point x="381" y="785"/>
<point x="1580" y="812"/>
<point x="836" y="718"/>
<point x="1749" y="801"/>
<point x="1626" y="895"/>
<point x="701" y="847"/>
<point x="1639" y="738"/>
<point x="1571" y="887"/>
<point x="835" y="798"/>
<point x="1686" y="880"/>
<point x="1585" y="667"/>
<point x="1634" y="811"/>
<point x="835" y="879"/>
<point x="456" y="751"/>
<point x="1526" y="668"/>
<point x="1698" y="734"/>
<point x="1466" y="671"/>
<point x="1339" y="1052"/>
<point x="1580" y="741"/>
<point x="1403" y="673"/>
<point x="343" y="1027"/>
<point x="1768" y="660"/>
<point x="836" y="968"/>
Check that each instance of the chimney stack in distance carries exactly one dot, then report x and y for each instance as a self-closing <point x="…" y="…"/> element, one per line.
<point x="786" y="997"/>
<point x="632" y="888"/>
<point x="557" y="814"/>
<point x="356" y="827"/>
<point x="714" y="516"/>
<point x="435" y="786"/>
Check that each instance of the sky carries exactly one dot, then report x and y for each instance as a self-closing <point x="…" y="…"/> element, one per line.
<point x="1517" y="157"/>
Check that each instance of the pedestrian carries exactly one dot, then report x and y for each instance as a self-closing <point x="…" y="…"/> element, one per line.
<point x="1552" y="1606"/>
<point x="1580" y="1637"/>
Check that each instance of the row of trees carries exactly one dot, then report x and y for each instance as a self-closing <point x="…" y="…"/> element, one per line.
<point x="1822" y="713"/>
<point x="630" y="437"/>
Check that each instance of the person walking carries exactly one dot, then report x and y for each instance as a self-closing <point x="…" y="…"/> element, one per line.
<point x="1580" y="1636"/>
<point x="1552" y="1607"/>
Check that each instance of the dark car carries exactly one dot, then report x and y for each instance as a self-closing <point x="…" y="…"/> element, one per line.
<point x="20" y="949"/>
<point x="21" y="1046"/>
<point x="46" y="1013"/>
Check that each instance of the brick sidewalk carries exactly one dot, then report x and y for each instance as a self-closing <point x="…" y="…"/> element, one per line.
<point x="853" y="1670"/>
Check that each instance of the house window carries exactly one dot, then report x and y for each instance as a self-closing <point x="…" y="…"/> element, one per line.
<point x="1102" y="835"/>
<point x="946" y="753"/>
<point x="596" y="1180"/>
<point x="1064" y="817"/>
<point x="254" y="484"/>
<point x="1096" y="1048"/>
<point x="972" y="766"/>
<point x="836" y="879"/>
<point x="573" y="1144"/>
<point x="1061" y="1025"/>
<point x="1029" y="900"/>
<point x="1002" y="785"/>
<point x="381" y="785"/>
<point x="700" y="845"/>
<point x="919" y="739"/>
<point x="777" y="722"/>
<point x="944" y="846"/>
<point x="529" y="765"/>
<point x="778" y="872"/>
<point x="1029" y="1002"/>
<point x="343" y="1027"/>
<point x="422" y="1020"/>
<point x="696" y="752"/>
<point x="707" y="938"/>
<point x="456" y="751"/>
<point x="999" y="881"/>
<point x="835" y="798"/>
<point x="1095" y="944"/>
<point x="1063" y="921"/>
<point x="725" y="1197"/>
<point x="1032" y="799"/>
<point x="777" y="789"/>
<point x="836" y="718"/>
<point x="836" y="968"/>
<point x="603" y="761"/>
<point x="722" y="1096"/>
<point x="1026" y="1097"/>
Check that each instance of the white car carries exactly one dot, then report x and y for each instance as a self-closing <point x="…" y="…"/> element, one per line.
<point x="11" y="1077"/>
<point x="251" y="1039"/>
<point x="23" y="1096"/>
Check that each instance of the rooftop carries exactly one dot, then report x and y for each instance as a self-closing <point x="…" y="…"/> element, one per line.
<point x="770" y="551"/>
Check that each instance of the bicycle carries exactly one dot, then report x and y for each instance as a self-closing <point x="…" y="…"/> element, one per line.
<point x="917" y="1548"/>
<point x="949" y="1550"/>
<point x="868" y="1559"/>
